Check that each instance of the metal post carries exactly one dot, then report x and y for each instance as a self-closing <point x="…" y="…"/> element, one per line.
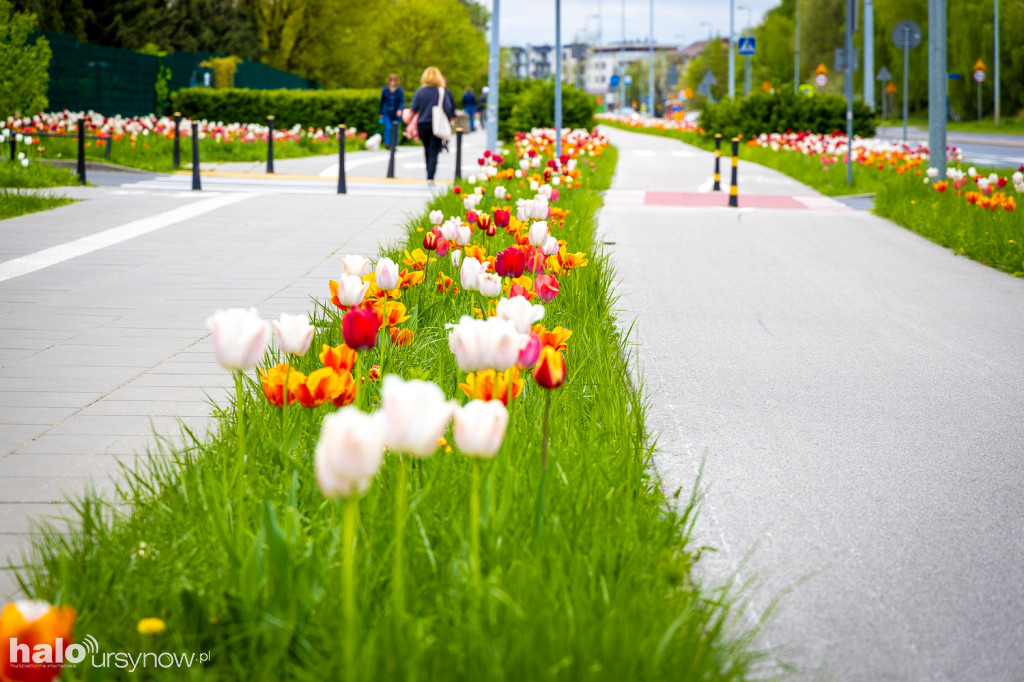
<point x="906" y="79"/>
<point x="492" y="79"/>
<point x="650" y="72"/>
<point x="869" y="53"/>
<point x="734" y="199"/>
<point x="14" y="145"/>
<point x="848" y="87"/>
<point x="979" y="99"/>
<point x="396" y="129"/>
<point x="995" y="62"/>
<point x="732" y="48"/>
<point x="197" y="183"/>
<point x="746" y="76"/>
<point x="342" y="189"/>
<point x="270" y="144"/>
<point x="81" y="150"/>
<point x="622" y="61"/>
<point x="937" y="69"/>
<point x="796" y="50"/>
<point x="458" y="153"/>
<point x="718" y="157"/>
<point x="558" y="78"/>
<point x="177" y="140"/>
<point x="107" y="148"/>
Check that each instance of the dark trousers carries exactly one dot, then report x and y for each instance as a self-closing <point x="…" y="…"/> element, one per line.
<point x="388" y="125"/>
<point x="471" y="113"/>
<point x="431" y="147"/>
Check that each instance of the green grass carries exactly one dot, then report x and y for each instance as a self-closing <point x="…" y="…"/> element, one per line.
<point x="993" y="238"/>
<point x="242" y="558"/>
<point x="37" y="175"/>
<point x="156" y="153"/>
<point x="13" y="204"/>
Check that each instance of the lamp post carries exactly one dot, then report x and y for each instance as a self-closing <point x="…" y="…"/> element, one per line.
<point x="796" y="50"/>
<point x="746" y="57"/>
<point x="622" y="61"/>
<point x="995" y="61"/>
<point x="650" y="72"/>
<point x="869" y="53"/>
<point x="558" y="77"/>
<point x="492" y="79"/>
<point x="732" y="49"/>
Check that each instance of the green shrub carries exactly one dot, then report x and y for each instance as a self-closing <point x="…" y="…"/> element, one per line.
<point x="776" y="113"/>
<point x="23" y="64"/>
<point x="531" y="104"/>
<point x="358" y="109"/>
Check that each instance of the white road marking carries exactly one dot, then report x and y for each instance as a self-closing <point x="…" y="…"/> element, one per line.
<point x="115" y="235"/>
<point x="683" y="153"/>
<point x="332" y="170"/>
<point x="706" y="186"/>
<point x="624" y="197"/>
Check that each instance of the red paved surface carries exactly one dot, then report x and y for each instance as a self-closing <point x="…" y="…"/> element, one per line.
<point x="701" y="200"/>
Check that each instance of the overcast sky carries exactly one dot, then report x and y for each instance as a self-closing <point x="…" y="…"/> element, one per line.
<point x="675" y="21"/>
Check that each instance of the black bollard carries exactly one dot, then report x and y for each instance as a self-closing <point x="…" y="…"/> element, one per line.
<point x="733" y="190"/>
<point x="458" y="153"/>
<point x="197" y="184"/>
<point x="341" y="160"/>
<point x="177" y="140"/>
<point x="14" y="145"/>
<point x="270" y="144"/>
<point x="396" y="130"/>
<point x="718" y="157"/>
<point x="81" y="150"/>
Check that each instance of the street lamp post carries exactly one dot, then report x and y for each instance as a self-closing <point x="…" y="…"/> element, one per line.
<point x="746" y="57"/>
<point x="492" y="78"/>
<point x="622" y="61"/>
<point x="732" y="48"/>
<point x="650" y="72"/>
<point x="796" y="50"/>
<point x="995" y="61"/>
<point x="558" y="78"/>
<point x="869" y="54"/>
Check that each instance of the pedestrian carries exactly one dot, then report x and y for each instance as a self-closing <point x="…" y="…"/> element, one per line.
<point x="432" y="93"/>
<point x="483" y="107"/>
<point x="469" y="105"/>
<point x="392" y="101"/>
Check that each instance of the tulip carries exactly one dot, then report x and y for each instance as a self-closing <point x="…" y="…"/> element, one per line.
<point x="501" y="218"/>
<point x="386" y="275"/>
<point x="489" y="284"/>
<point x="356" y="265"/>
<point x="416" y="413"/>
<point x="485" y="344"/>
<point x="500" y="193"/>
<point x="530" y="352"/>
<point x="450" y="228"/>
<point x="359" y="328"/>
<point x="351" y="290"/>
<point x="550" y="370"/>
<point x="483" y="222"/>
<point x="535" y="261"/>
<point x="456" y="257"/>
<point x="469" y="273"/>
<point x="520" y="312"/>
<point x="546" y="287"/>
<point x="457" y="189"/>
<point x="36" y="637"/>
<point x="471" y="217"/>
<point x="430" y="241"/>
<point x="511" y="262"/>
<point x="463" y="235"/>
<point x="551" y="246"/>
<point x="442" y="247"/>
<point x="240" y="337"/>
<point x="932" y="172"/>
<point x="294" y="333"/>
<point x="436" y="217"/>
<point x="518" y="291"/>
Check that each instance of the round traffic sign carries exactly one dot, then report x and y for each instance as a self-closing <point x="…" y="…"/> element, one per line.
<point x="979" y="76"/>
<point x="906" y="35"/>
<point x="821" y="80"/>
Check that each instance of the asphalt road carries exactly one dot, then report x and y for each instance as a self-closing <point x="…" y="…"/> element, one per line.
<point x="856" y="395"/>
<point x="999" y="151"/>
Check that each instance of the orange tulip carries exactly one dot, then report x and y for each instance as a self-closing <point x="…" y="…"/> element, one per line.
<point x="319" y="387"/>
<point x="417" y="260"/>
<point x="273" y="383"/>
<point x="345" y="393"/>
<point x="410" y="279"/>
<point x="556" y="338"/>
<point x="549" y="371"/>
<point x="402" y="337"/>
<point x="445" y="284"/>
<point x="35" y="638"/>
<point x="490" y="385"/>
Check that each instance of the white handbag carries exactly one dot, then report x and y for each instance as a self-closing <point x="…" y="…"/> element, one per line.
<point x="439" y="123"/>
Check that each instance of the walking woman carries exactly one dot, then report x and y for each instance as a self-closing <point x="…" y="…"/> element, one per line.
<point x="392" y="101"/>
<point x="431" y="94"/>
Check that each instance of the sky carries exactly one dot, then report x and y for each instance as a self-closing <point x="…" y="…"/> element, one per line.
<point x="675" y="21"/>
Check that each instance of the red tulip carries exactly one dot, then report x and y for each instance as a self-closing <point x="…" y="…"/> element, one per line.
<point x="359" y="328"/>
<point x="471" y="217"/>
<point x="430" y="241"/>
<point x="510" y="263"/>
<point x="483" y="221"/>
<point x="442" y="247"/>
<point x="518" y="290"/>
<point x="546" y="287"/>
<point x="535" y="261"/>
<point x="501" y="218"/>
<point x="457" y="190"/>
<point x="564" y="158"/>
<point x="487" y="154"/>
<point x="550" y="370"/>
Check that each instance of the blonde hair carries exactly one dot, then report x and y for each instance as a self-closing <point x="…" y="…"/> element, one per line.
<point x="432" y="77"/>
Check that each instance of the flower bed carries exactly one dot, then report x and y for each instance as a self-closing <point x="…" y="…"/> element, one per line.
<point x="147" y="141"/>
<point x="340" y="520"/>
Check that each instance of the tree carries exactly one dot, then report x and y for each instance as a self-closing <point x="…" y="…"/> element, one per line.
<point x="23" y="65"/>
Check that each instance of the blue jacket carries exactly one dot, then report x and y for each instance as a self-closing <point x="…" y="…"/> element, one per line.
<point x="426" y="98"/>
<point x="468" y="100"/>
<point x="391" y="102"/>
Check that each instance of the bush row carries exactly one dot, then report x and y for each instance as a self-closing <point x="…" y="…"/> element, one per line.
<point x="526" y="104"/>
<point x="776" y="113"/>
<point x="353" y="108"/>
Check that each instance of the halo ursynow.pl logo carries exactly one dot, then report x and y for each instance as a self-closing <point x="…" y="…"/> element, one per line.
<point x="46" y="656"/>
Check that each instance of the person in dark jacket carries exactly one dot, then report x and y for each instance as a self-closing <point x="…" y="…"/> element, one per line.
<point x="392" y="101"/>
<point x="483" y="107"/>
<point x="469" y="104"/>
<point x="425" y="99"/>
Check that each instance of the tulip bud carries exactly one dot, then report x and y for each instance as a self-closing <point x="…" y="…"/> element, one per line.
<point x="480" y="427"/>
<point x="511" y="262"/>
<point x="416" y="414"/>
<point x="546" y="287"/>
<point x="240" y="337"/>
<point x="500" y="193"/>
<point x="489" y="284"/>
<point x="551" y="246"/>
<point x="539" y="233"/>
<point x="457" y="189"/>
<point x="530" y="352"/>
<point x="436" y="217"/>
<point x="442" y="247"/>
<point x="359" y="328"/>
<point x="430" y="241"/>
<point x="520" y="312"/>
<point x="550" y="370"/>
<point x="471" y="217"/>
<point x="351" y="289"/>
<point x="501" y="218"/>
<point x="356" y="265"/>
<point x="294" y="333"/>
<point x="349" y="452"/>
<point x="387" y="274"/>
<point x="469" y="273"/>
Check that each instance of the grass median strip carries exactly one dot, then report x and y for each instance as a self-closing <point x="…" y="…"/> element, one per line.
<point x="243" y="559"/>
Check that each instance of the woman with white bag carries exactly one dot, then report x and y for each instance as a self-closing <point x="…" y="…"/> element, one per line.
<point x="431" y="114"/>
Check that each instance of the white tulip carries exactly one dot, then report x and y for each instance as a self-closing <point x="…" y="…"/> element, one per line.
<point x="356" y="265"/>
<point x="456" y="256"/>
<point x="436" y="217"/>
<point x="520" y="313"/>
<point x="386" y="275"/>
<point x="493" y="343"/>
<point x="500" y="193"/>
<point x="463" y="235"/>
<point x="351" y="290"/>
<point x="294" y="333"/>
<point x="539" y="233"/>
<point x="416" y="415"/>
<point x="489" y="284"/>
<point x="240" y="337"/>
<point x="551" y="246"/>
<point x="480" y="427"/>
<point x="349" y="452"/>
<point x="469" y="273"/>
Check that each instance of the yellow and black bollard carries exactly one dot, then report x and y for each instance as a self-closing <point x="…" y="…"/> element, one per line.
<point x="718" y="157"/>
<point x="733" y="198"/>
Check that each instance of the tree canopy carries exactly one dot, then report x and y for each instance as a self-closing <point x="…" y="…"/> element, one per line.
<point x="23" y="64"/>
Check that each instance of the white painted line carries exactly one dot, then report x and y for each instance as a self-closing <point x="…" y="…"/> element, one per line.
<point x="682" y="153"/>
<point x="115" y="235"/>
<point x="706" y="186"/>
<point x="624" y="197"/>
<point x="332" y="171"/>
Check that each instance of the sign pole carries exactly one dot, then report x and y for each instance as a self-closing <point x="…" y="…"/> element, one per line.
<point x="995" y="62"/>
<point x="937" y="69"/>
<point x="732" y="49"/>
<point x="848" y="87"/>
<point x="492" y="79"/>
<point x="869" y="53"/>
<point x="558" y="78"/>
<point x="906" y="78"/>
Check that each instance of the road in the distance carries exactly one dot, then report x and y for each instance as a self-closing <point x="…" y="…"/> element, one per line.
<point x="999" y="151"/>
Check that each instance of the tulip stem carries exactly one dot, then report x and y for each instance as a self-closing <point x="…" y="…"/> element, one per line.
<point x="474" y="528"/>
<point x="240" y="414"/>
<point x="349" y="557"/>
<point x="397" y="565"/>
<point x="284" y="405"/>
<point x="541" y="502"/>
<point x="544" y="444"/>
<point x="359" y="379"/>
<point x="384" y="332"/>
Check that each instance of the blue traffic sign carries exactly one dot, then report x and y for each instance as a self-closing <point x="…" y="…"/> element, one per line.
<point x="614" y="80"/>
<point x="747" y="46"/>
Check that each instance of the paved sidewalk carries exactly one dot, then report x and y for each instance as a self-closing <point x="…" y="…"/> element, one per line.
<point x="102" y="349"/>
<point x="856" y="394"/>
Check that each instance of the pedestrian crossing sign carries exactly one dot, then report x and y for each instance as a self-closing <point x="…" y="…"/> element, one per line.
<point x="747" y="46"/>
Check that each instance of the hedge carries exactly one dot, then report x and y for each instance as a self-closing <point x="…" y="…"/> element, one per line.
<point x="776" y="113"/>
<point x="526" y="104"/>
<point x="355" y="108"/>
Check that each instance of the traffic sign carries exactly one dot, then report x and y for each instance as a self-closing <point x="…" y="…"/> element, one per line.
<point x="629" y="79"/>
<point x="767" y="86"/>
<point x="806" y="89"/>
<point x="891" y="88"/>
<point x="614" y="80"/>
<point x="840" y="59"/>
<point x="883" y="75"/>
<point x="821" y="79"/>
<point x="822" y="69"/>
<point x="980" y="71"/>
<point x="906" y="35"/>
<point x="747" y="46"/>
<point x="688" y="92"/>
